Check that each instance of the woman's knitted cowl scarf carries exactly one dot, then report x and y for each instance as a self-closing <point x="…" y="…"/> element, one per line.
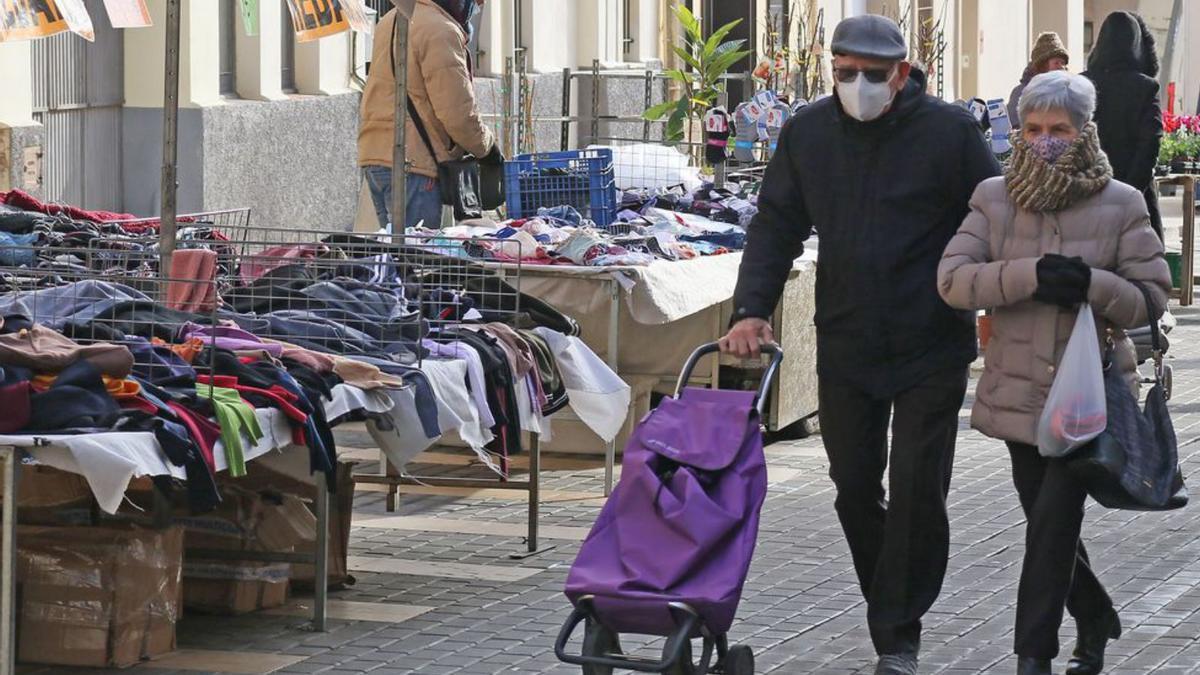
<point x="1036" y="185"/>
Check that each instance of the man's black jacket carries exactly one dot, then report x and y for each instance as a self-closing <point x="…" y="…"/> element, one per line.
<point x="885" y="197"/>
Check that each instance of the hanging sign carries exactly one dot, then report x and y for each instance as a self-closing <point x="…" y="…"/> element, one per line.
<point x="315" y="19"/>
<point x="28" y="19"/>
<point x="128" y="13"/>
<point x="250" y="17"/>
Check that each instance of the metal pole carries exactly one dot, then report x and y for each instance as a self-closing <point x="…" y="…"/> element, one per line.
<point x="8" y="566"/>
<point x="614" y="316"/>
<point x="535" y="469"/>
<point x="1187" y="290"/>
<point x="507" y="111"/>
<point x="566" y="110"/>
<point x="170" y="138"/>
<point x="649" y="101"/>
<point x="522" y="84"/>
<point x="321" y="554"/>
<point x="399" y="160"/>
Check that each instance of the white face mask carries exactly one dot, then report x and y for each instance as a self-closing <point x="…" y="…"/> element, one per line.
<point x="865" y="101"/>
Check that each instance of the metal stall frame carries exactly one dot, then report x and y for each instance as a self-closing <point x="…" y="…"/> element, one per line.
<point x="248" y="242"/>
<point x="1187" y="281"/>
<point x="614" y="291"/>
<point x="531" y="485"/>
<point x="8" y="565"/>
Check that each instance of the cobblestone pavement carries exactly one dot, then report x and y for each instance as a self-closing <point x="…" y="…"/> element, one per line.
<point x="801" y="611"/>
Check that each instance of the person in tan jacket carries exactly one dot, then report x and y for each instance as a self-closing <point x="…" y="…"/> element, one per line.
<point x="1054" y="232"/>
<point x="442" y="94"/>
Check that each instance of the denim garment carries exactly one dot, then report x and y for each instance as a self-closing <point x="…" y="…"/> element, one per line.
<point x="78" y="302"/>
<point x="423" y="200"/>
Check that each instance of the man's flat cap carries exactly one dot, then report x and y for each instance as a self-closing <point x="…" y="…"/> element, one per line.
<point x="871" y="36"/>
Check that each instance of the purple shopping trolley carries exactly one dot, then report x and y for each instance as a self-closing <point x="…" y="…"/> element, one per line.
<point x="670" y="551"/>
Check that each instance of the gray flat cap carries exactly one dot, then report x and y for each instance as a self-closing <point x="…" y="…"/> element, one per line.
<point x="871" y="36"/>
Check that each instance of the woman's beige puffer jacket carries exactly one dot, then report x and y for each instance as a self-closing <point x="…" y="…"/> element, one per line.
<point x="991" y="263"/>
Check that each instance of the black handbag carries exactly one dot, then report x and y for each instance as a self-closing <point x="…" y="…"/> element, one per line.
<point x="458" y="179"/>
<point x="1134" y="463"/>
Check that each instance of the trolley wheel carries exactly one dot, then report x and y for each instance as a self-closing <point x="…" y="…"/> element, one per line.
<point x="684" y="666"/>
<point x="599" y="641"/>
<point x="739" y="661"/>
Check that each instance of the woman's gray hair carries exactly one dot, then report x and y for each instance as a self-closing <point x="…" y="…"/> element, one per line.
<point x="1060" y="90"/>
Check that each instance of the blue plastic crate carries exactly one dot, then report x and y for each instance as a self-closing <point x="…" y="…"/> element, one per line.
<point x="582" y="179"/>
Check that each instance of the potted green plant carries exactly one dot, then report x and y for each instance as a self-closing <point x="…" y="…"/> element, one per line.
<point x="706" y="60"/>
<point x="1191" y="151"/>
<point x="1173" y="152"/>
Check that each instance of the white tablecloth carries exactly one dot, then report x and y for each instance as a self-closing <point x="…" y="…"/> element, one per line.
<point x="109" y="461"/>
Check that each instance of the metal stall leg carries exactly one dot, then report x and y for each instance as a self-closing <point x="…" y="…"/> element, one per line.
<point x="1187" y="284"/>
<point x="8" y="571"/>
<point x="321" y="555"/>
<point x="614" y="317"/>
<point x="533" y="546"/>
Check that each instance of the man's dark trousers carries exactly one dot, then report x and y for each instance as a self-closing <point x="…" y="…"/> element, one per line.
<point x="899" y="542"/>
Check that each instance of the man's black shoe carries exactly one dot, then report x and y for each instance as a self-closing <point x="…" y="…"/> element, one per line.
<point x="1094" y="635"/>
<point x="897" y="664"/>
<point x="1027" y="665"/>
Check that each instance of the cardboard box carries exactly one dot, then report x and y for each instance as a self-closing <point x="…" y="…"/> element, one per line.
<point x="251" y="521"/>
<point x="574" y="437"/>
<point x="42" y="491"/>
<point x="246" y="526"/>
<point x="99" y="597"/>
<point x="341" y="511"/>
<point x="234" y="587"/>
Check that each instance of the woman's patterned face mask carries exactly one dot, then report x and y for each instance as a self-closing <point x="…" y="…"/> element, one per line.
<point x="1049" y="148"/>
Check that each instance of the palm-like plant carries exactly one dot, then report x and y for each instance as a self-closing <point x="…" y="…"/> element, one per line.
<point x="706" y="61"/>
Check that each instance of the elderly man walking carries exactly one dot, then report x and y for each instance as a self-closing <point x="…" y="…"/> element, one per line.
<point x="883" y="173"/>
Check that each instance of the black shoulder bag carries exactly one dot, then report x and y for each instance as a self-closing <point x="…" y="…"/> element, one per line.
<point x="1134" y="463"/>
<point x="458" y="180"/>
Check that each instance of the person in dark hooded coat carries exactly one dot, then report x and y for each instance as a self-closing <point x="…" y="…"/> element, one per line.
<point x="1123" y="65"/>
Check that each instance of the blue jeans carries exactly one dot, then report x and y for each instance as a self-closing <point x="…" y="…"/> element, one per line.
<point x="423" y="200"/>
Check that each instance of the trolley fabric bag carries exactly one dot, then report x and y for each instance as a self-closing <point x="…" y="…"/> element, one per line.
<point x="681" y="524"/>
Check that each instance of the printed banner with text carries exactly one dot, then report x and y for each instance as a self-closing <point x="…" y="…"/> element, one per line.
<point x="28" y="19"/>
<point x="315" y="19"/>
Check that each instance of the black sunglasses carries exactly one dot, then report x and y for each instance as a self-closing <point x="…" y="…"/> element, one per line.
<point x="873" y="75"/>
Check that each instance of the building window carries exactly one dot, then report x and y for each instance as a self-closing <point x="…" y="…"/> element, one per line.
<point x="227" y="16"/>
<point x="287" y="56"/>
<point x="1089" y="36"/>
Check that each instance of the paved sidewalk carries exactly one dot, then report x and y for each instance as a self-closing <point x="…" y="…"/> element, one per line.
<point x="458" y="604"/>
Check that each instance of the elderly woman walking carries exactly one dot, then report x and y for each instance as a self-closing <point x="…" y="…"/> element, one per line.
<point x="1054" y="232"/>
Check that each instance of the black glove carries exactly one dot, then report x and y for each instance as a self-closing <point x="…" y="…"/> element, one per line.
<point x="1062" y="281"/>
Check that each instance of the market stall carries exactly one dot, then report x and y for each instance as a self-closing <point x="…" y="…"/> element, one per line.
<point x="268" y="339"/>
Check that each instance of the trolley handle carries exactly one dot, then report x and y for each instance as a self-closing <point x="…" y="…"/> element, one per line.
<point x="760" y="399"/>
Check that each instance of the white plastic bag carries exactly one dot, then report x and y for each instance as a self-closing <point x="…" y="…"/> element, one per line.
<point x="1075" y="411"/>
